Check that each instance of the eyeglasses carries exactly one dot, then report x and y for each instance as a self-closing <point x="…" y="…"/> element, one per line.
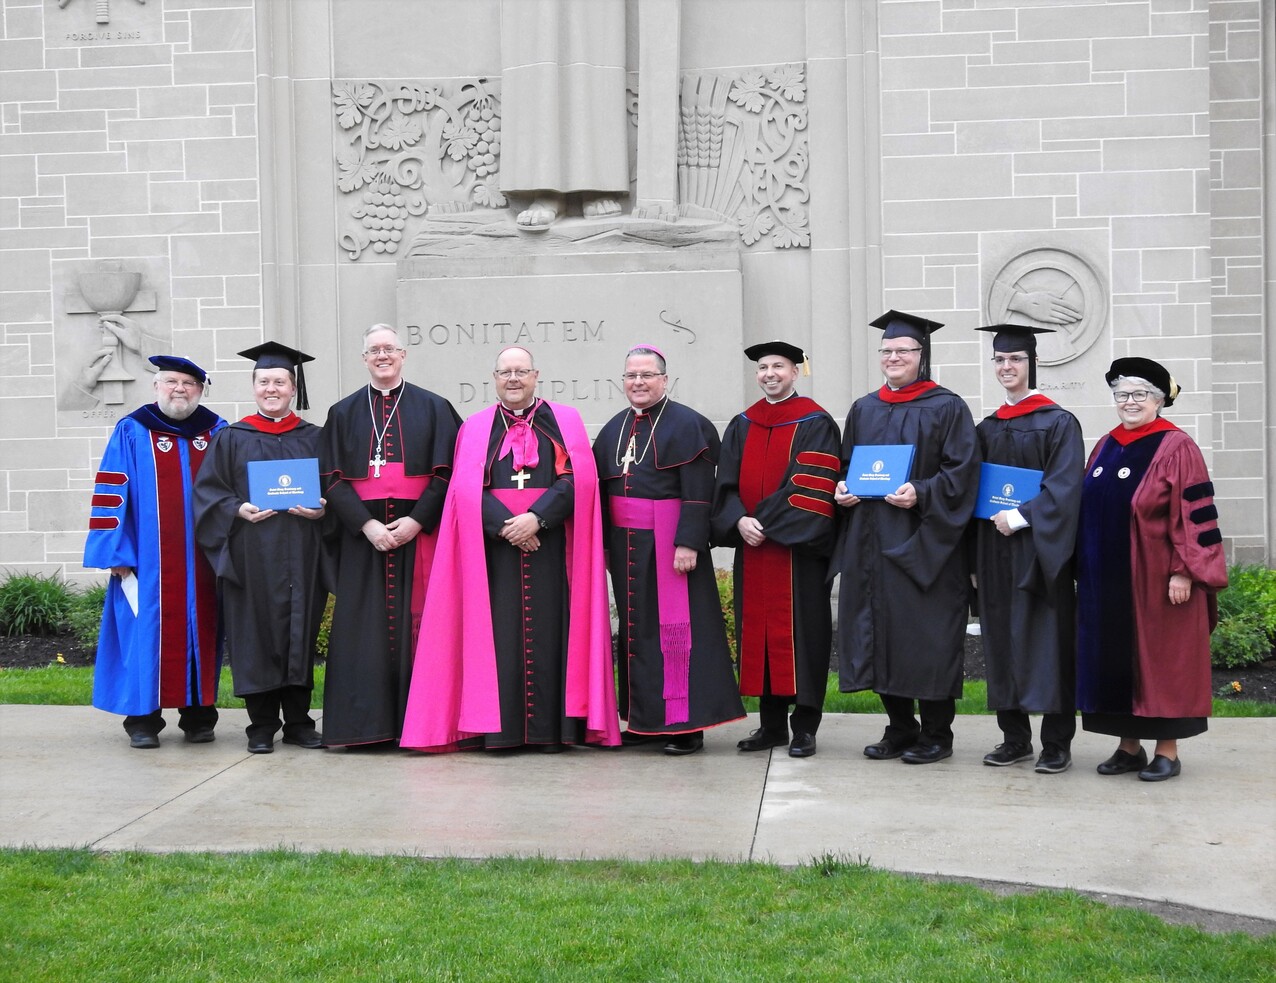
<point x="1009" y="359"/>
<point x="384" y="350"/>
<point x="508" y="374"/>
<point x="1139" y="396"/>
<point x="641" y="376"/>
<point x="896" y="352"/>
<point x="180" y="384"/>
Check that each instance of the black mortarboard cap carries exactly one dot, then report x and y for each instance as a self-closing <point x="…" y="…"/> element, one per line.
<point x="273" y="355"/>
<point x="175" y="363"/>
<point x="776" y="347"/>
<point x="1018" y="338"/>
<point x="897" y="324"/>
<point x="1145" y="368"/>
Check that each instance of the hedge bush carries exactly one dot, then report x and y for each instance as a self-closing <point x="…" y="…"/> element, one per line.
<point x="1246" y="632"/>
<point x="31" y="604"/>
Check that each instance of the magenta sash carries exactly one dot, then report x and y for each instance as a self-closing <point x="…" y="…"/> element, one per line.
<point x="672" y="599"/>
<point x="393" y="483"/>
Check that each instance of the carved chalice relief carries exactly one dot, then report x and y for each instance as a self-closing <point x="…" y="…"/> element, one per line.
<point x="110" y="292"/>
<point x="1051" y="288"/>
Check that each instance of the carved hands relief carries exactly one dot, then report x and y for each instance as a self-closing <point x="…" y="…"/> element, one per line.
<point x="743" y="152"/>
<point x="405" y="147"/>
<point x="1051" y="288"/>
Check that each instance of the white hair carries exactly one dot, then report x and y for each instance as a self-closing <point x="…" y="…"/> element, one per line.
<point x="1138" y="381"/>
<point x="381" y="327"/>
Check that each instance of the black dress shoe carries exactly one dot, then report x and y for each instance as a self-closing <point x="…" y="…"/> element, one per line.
<point x="1053" y="760"/>
<point x="1160" y="769"/>
<point x="261" y="745"/>
<point x="926" y="754"/>
<point x="203" y="735"/>
<point x="685" y="743"/>
<point x="143" y="742"/>
<point x="884" y="751"/>
<point x="1122" y="762"/>
<point x="309" y="739"/>
<point x="1009" y="753"/>
<point x="762" y="739"/>
<point x="803" y="746"/>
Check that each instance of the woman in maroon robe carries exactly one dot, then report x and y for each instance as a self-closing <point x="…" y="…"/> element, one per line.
<point x="1149" y="563"/>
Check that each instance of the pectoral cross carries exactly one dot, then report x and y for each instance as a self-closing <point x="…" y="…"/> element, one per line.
<point x="376" y="463"/>
<point x="629" y="457"/>
<point x="522" y="477"/>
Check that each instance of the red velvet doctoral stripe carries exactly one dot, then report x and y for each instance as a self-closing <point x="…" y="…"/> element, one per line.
<point x="767" y="607"/>
<point x="170" y="511"/>
<point x="1127" y="437"/>
<point x="267" y="425"/>
<point x="906" y="394"/>
<point x="111" y="478"/>
<point x="206" y="602"/>
<point x="107" y="501"/>
<point x="104" y="522"/>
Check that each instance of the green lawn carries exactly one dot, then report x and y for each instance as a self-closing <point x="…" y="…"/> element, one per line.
<point x="72" y="915"/>
<point x="58" y="685"/>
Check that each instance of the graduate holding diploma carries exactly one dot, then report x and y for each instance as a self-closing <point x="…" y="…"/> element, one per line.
<point x="903" y="599"/>
<point x="267" y="561"/>
<point x="1023" y="561"/>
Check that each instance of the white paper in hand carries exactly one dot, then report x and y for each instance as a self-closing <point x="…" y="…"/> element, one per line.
<point x="129" y="585"/>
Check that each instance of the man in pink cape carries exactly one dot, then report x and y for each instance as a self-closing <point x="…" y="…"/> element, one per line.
<point x="515" y="647"/>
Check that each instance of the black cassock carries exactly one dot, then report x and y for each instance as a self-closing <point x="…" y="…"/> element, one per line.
<point x="268" y="571"/>
<point x="528" y="590"/>
<point x="676" y="462"/>
<point x="373" y="636"/>
<point x="1027" y="603"/>
<point x="905" y="584"/>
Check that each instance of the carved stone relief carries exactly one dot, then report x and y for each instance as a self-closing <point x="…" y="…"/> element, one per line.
<point x="406" y="150"/>
<point x="1051" y="288"/>
<point x="743" y="152"/>
<point x="403" y="147"/>
<point x="101" y="21"/>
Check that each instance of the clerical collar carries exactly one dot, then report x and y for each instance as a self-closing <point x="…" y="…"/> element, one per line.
<point x="650" y="409"/>
<point x="274" y="419"/>
<point x="525" y="411"/>
<point x="773" y="402"/>
<point x="385" y="392"/>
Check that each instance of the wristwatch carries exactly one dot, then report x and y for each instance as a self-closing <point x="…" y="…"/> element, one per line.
<point x="540" y="521"/>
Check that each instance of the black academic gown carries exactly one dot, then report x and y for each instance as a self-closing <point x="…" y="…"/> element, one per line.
<point x="528" y="592"/>
<point x="1027" y="602"/>
<point x="905" y="583"/>
<point x="676" y="462"/>
<point x="373" y="636"/>
<point x="796" y="513"/>
<point x="268" y="571"/>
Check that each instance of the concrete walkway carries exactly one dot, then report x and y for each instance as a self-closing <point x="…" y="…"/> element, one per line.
<point x="1206" y="839"/>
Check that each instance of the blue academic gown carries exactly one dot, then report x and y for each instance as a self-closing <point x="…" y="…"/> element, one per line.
<point x="168" y="653"/>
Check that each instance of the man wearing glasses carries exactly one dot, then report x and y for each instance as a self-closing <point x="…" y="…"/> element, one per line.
<point x="905" y="586"/>
<point x="386" y="458"/>
<point x="159" y="644"/>
<point x="1023" y="561"/>
<point x="517" y="651"/>
<point x="656" y="463"/>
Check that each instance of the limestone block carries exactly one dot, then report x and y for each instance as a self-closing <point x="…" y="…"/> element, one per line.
<point x="94" y="163"/>
<point x="30" y="86"/>
<point x="990" y="214"/>
<point x="123" y="99"/>
<point x="1078" y="20"/>
<point x="125" y="55"/>
<point x="176" y="128"/>
<point x="402" y="36"/>
<point x="24" y="305"/>
<point x="1029" y="102"/>
<point x="175" y="196"/>
<point x="25" y="269"/>
<point x="221" y="159"/>
<point x="923" y="17"/>
<point x="222" y="30"/>
<point x="172" y="101"/>
<point x="729" y="32"/>
<point x="1141" y="54"/>
<point x="128" y="246"/>
<point x="578" y="324"/>
<point x="923" y="73"/>
<point x="126" y="77"/>
<point x="51" y="511"/>
<point x="1145" y="154"/>
<point x="23" y="549"/>
<point x="106" y="194"/>
<point x="913" y="145"/>
<point x="155" y="155"/>
<point x="232" y="94"/>
<point x="207" y="68"/>
<point x="966" y="176"/>
<point x="240" y="217"/>
<point x="973" y="43"/>
<point x="217" y="190"/>
<point x="225" y="254"/>
<point x="1068" y="73"/>
<point x="1138" y="193"/>
<point x="975" y="21"/>
<point x="1001" y="136"/>
<point x="905" y="112"/>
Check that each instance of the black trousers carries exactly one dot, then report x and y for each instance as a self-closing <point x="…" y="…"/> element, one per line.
<point x="1056" y="728"/>
<point x="264" y="710"/>
<point x="902" y="728"/>
<point x="188" y="719"/>
<point x="773" y="709"/>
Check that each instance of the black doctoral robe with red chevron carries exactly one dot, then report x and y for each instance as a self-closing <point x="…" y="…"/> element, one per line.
<point x="779" y="464"/>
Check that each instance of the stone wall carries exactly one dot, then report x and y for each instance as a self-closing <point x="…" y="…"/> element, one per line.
<point x="963" y="158"/>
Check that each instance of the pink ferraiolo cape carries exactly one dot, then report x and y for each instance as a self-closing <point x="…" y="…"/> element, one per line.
<point x="453" y="695"/>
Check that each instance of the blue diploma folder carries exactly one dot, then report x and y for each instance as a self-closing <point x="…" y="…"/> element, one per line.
<point x="1004" y="487"/>
<point x="280" y="485"/>
<point x="876" y="470"/>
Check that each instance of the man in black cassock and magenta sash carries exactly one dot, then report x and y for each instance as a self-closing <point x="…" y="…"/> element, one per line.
<point x="773" y="502"/>
<point x="386" y="458"/>
<point x="656" y="468"/>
